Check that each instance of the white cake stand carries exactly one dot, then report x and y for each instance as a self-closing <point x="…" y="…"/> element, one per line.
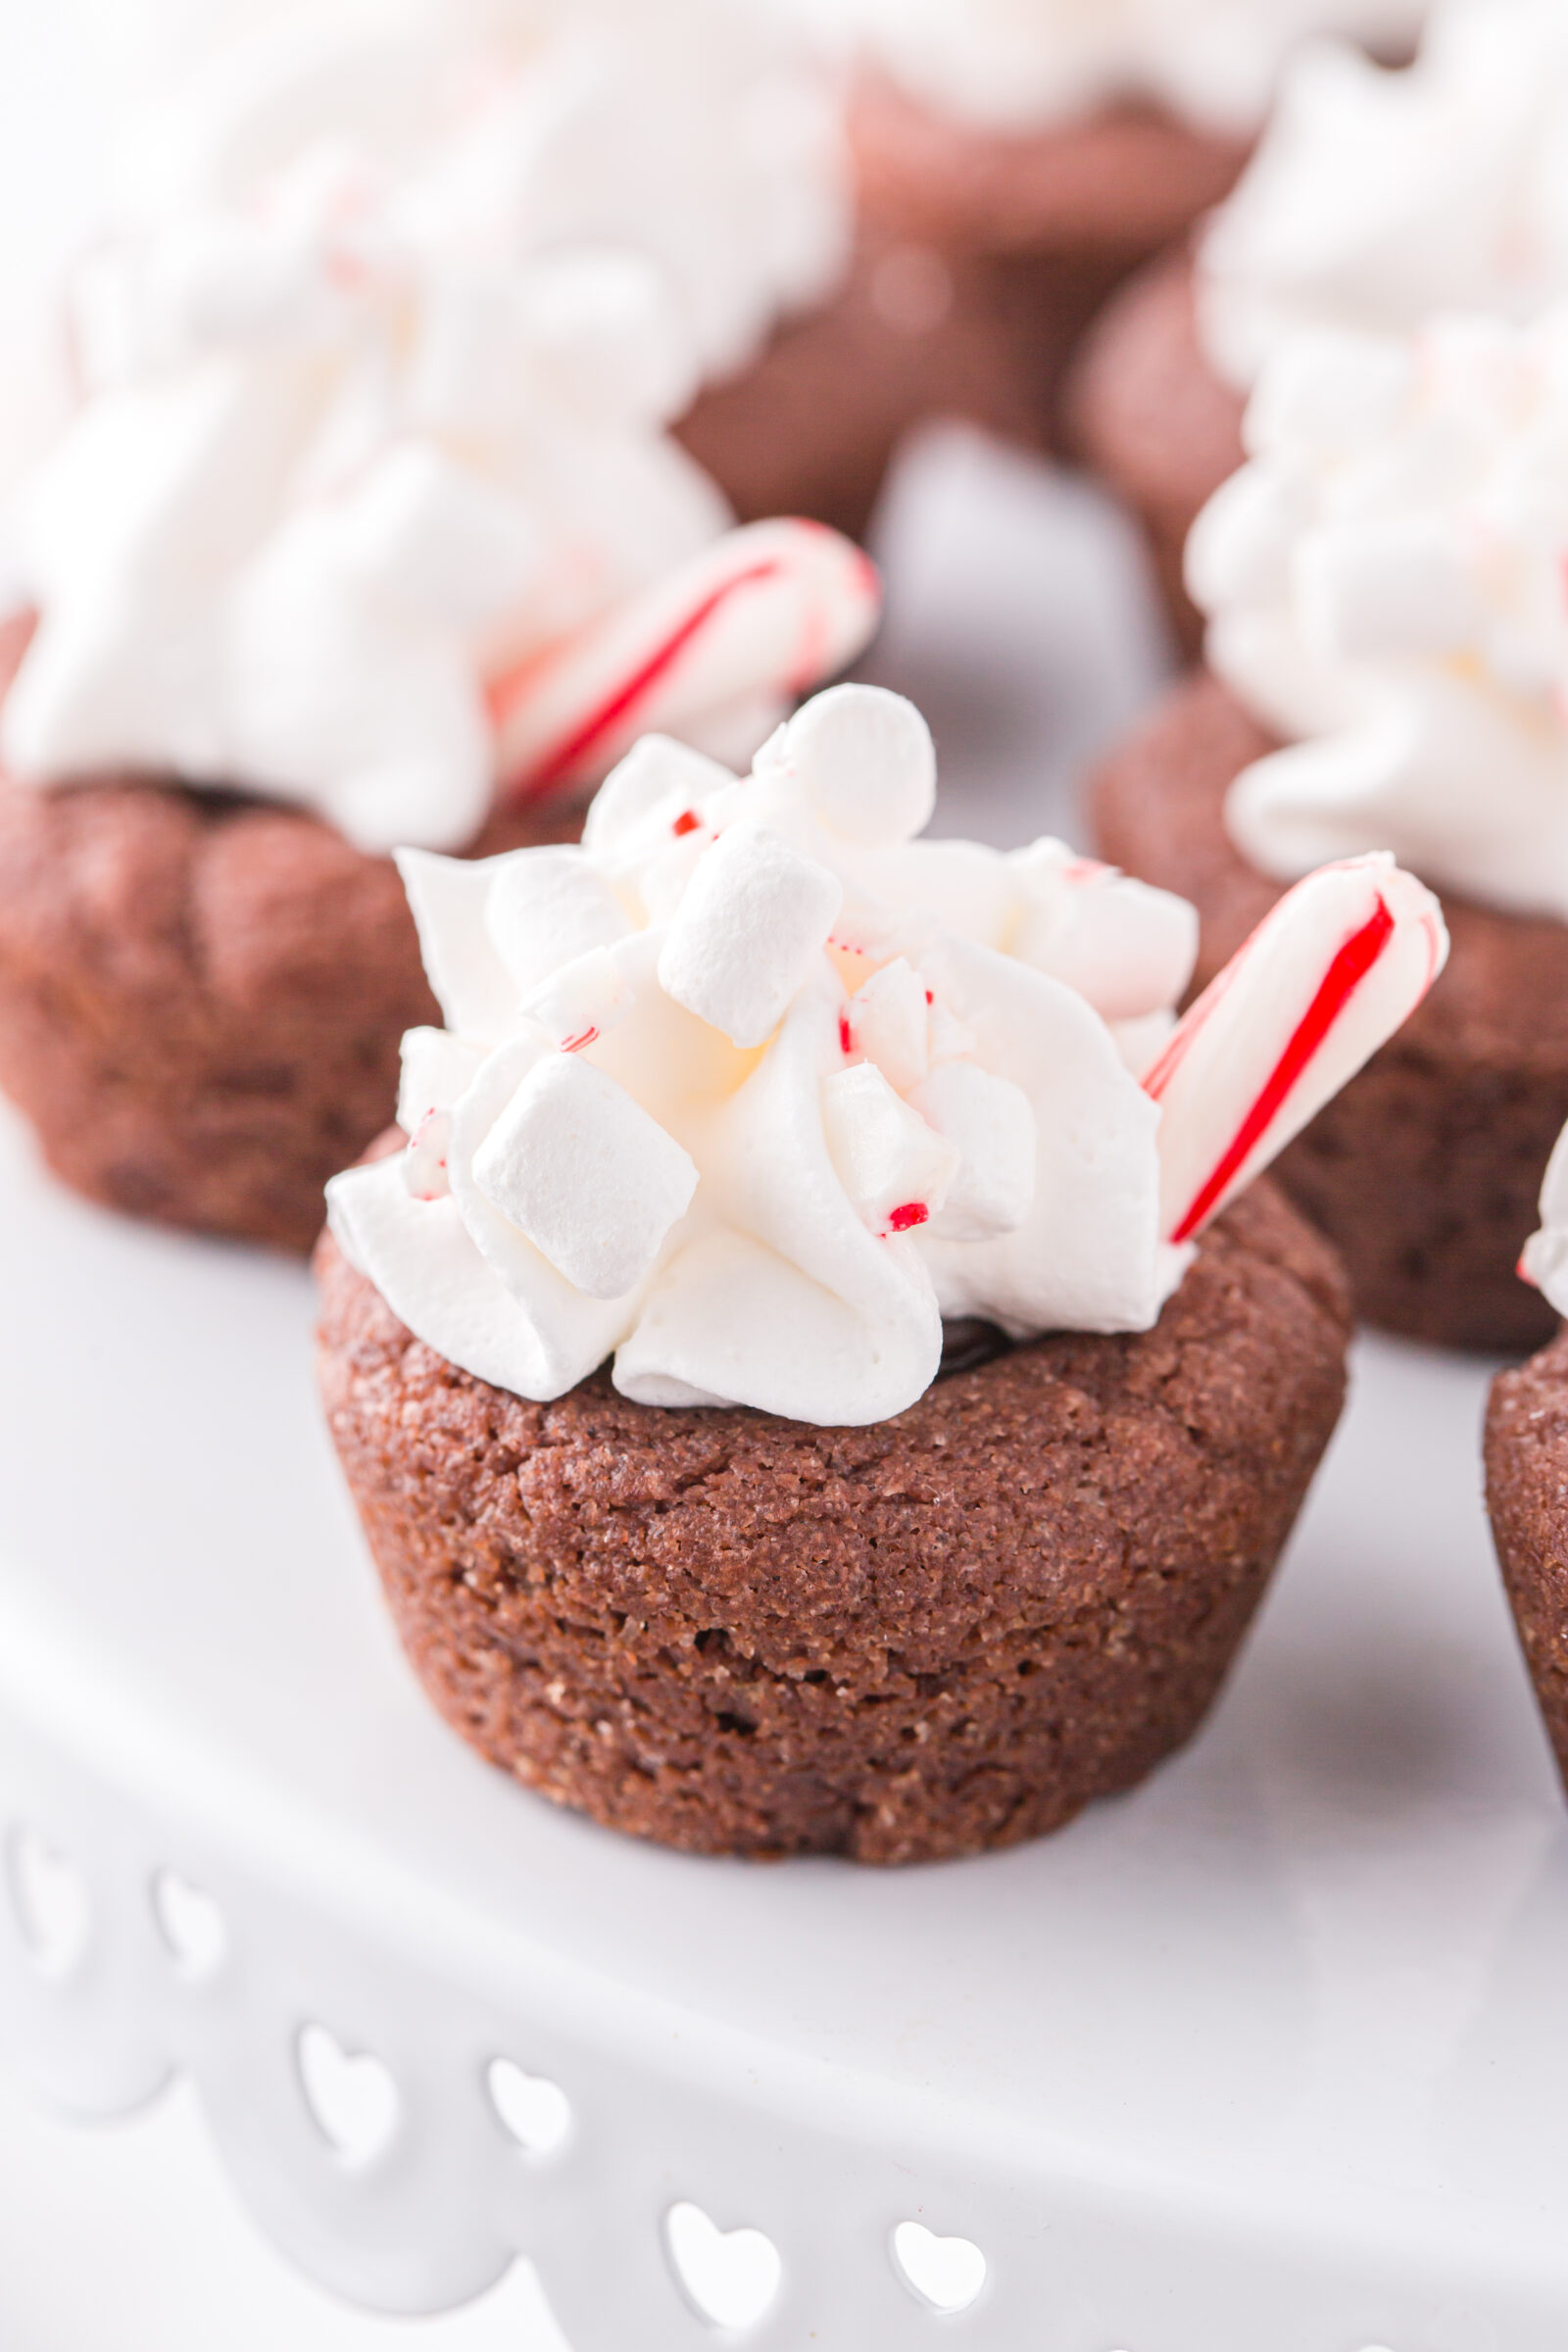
<point x="1271" y="2053"/>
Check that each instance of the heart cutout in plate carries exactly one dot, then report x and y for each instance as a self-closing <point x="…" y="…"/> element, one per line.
<point x="535" y="2112"/>
<point x="190" y="1924"/>
<point x="350" y="2093"/>
<point x="50" y="1899"/>
<point x="946" y="2273"/>
<point x="730" y="2276"/>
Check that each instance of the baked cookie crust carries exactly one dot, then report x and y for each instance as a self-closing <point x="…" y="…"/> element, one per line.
<point x="1527" y="1497"/>
<point x="736" y="1634"/>
<point x="202" y="997"/>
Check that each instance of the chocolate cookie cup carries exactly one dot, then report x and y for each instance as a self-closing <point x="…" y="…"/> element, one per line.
<point x="950" y="1630"/>
<point x="651" y="1356"/>
<point x="202" y="996"/>
<point x="914" y="331"/>
<point x="1425" y="1171"/>
<point x="202" y="992"/>
<point x="1147" y="412"/>
<point x="1527" y="1499"/>
<point x="1023" y="235"/>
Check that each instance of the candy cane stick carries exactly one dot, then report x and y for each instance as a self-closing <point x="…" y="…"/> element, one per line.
<point x="773" y="609"/>
<point x="1329" y="974"/>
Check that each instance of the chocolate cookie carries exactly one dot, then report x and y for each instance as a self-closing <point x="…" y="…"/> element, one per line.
<point x="1119" y="183"/>
<point x="1526" y="1496"/>
<point x="1147" y="414"/>
<point x="1035" y="230"/>
<point x="812" y="427"/>
<point x="736" y="1634"/>
<point x="980" y="259"/>
<point x="201" y="998"/>
<point x="1425" y="1171"/>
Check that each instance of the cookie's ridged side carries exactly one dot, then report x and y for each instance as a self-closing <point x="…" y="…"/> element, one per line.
<point x="1526" y="1496"/>
<point x="201" y="998"/>
<point x="1425" y="1170"/>
<point x="1147" y="414"/>
<point x="733" y="1633"/>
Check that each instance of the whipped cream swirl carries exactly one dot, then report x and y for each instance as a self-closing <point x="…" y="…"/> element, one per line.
<point x="722" y="1095"/>
<point x="1384" y="581"/>
<point x="695" y="133"/>
<point x="1378" y="197"/>
<point x="1019" y="65"/>
<point x="376" y="380"/>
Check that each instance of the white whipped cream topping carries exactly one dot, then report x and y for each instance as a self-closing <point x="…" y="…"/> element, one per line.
<point x="695" y="133"/>
<point x="1016" y="65"/>
<point x="755" y="1088"/>
<point x="1385" y="587"/>
<point x="1546" y="1256"/>
<point x="718" y="1093"/>
<point x="376" y="380"/>
<point x="1378" y="197"/>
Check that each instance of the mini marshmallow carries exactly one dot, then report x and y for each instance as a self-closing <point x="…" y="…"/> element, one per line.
<point x="603" y="322"/>
<point x="470" y="349"/>
<point x="866" y="763"/>
<point x="548" y="906"/>
<point x="440" y="538"/>
<point x="990" y="1124"/>
<point x="586" y="1175"/>
<point x="888" y="1020"/>
<point x="894" y="1167"/>
<point x="755" y="915"/>
<point x="224" y="282"/>
<point x="1126" y="947"/>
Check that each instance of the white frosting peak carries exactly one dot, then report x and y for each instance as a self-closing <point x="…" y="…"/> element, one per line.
<point x="1546" y="1256"/>
<point x="1019" y="63"/>
<point x="1384" y="581"/>
<point x="756" y="1087"/>
<point x="1378" y="197"/>
<point x="690" y="133"/>
<point x="377" y="374"/>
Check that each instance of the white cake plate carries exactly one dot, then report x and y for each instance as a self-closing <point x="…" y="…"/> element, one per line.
<point x="1270" y="2056"/>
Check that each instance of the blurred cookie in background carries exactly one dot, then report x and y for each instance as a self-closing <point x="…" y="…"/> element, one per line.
<point x="1377" y="198"/>
<point x="368" y="529"/>
<point x="1016" y="159"/>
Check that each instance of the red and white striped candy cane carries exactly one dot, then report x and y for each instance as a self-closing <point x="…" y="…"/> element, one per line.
<point x="1331" y="972"/>
<point x="776" y="607"/>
